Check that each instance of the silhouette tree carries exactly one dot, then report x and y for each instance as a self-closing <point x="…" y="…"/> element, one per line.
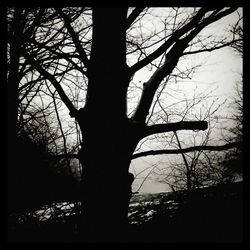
<point x="233" y="160"/>
<point x="93" y="42"/>
<point x="39" y="177"/>
<point x="30" y="117"/>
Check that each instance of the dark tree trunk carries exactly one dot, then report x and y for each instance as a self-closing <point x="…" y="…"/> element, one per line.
<point x="13" y="80"/>
<point x="108" y="140"/>
<point x="105" y="158"/>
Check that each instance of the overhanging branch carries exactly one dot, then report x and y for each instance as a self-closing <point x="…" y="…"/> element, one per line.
<point x="186" y="150"/>
<point x="183" y="125"/>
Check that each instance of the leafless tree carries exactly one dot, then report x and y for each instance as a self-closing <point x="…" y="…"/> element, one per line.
<point x="187" y="172"/>
<point x="107" y="47"/>
<point x="209" y="165"/>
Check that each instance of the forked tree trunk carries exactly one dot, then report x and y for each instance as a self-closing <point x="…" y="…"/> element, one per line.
<point x="108" y="140"/>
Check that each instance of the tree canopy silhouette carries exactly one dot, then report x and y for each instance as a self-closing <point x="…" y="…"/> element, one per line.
<point x="97" y="51"/>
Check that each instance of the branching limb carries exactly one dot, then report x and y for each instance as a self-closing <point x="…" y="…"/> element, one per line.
<point x="172" y="58"/>
<point x="53" y="80"/>
<point x="135" y="13"/>
<point x="169" y="42"/>
<point x="183" y="125"/>
<point x="186" y="150"/>
<point x="150" y="87"/>
<point x="231" y="43"/>
<point x="74" y="37"/>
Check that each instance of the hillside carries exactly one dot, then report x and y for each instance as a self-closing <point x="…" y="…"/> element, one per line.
<point x="208" y="215"/>
<point x="212" y="214"/>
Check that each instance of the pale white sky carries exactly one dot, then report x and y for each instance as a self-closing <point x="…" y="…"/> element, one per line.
<point x="221" y="70"/>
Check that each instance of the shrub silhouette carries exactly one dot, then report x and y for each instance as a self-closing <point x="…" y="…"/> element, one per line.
<point x="34" y="179"/>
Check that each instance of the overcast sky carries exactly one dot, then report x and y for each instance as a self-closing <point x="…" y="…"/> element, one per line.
<point x="220" y="72"/>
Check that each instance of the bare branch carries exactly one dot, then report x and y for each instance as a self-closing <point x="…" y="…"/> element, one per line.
<point x="195" y="24"/>
<point x="74" y="37"/>
<point x="231" y="43"/>
<point x="186" y="150"/>
<point x="150" y="87"/>
<point x="67" y="56"/>
<point x="169" y="42"/>
<point x="55" y="83"/>
<point x="146" y="177"/>
<point x="183" y="125"/>
<point x="135" y="13"/>
<point x="172" y="58"/>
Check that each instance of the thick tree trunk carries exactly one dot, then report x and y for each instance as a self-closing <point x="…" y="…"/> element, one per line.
<point x="108" y="140"/>
<point x="105" y="158"/>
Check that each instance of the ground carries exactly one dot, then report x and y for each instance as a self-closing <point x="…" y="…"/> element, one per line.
<point x="208" y="215"/>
